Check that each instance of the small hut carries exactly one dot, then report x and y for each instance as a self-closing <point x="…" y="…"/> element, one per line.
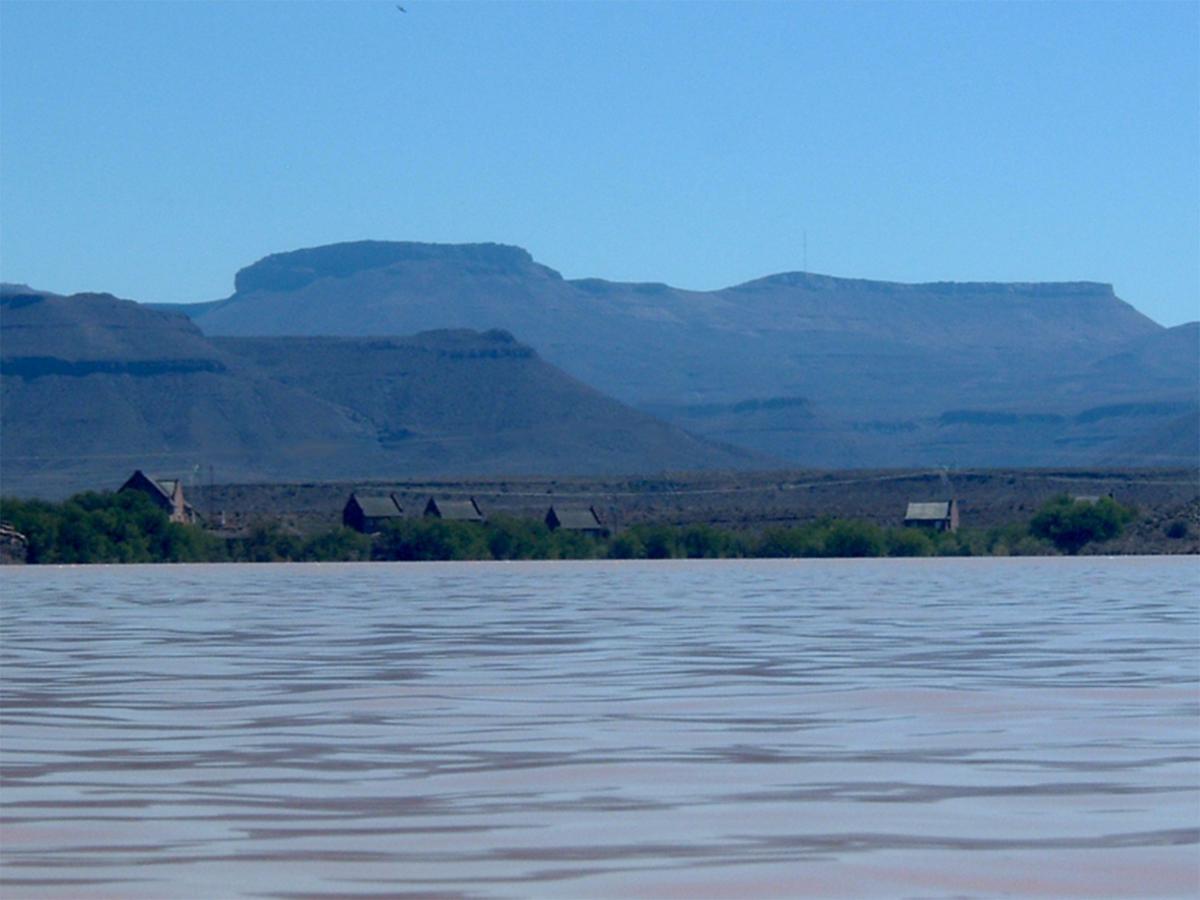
<point x="368" y="513"/>
<point x="454" y="510"/>
<point x="585" y="520"/>
<point x="938" y="515"/>
<point x="167" y="494"/>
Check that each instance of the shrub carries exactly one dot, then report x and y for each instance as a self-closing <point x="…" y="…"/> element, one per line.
<point x="431" y="540"/>
<point x="660" y="541"/>
<point x="266" y="542"/>
<point x="626" y="545"/>
<point x="107" y="527"/>
<point x="791" y="542"/>
<point x="565" y="544"/>
<point x="854" y="539"/>
<point x="1178" y="530"/>
<point x="1072" y="524"/>
<point x="706" y="542"/>
<point x="951" y="543"/>
<point x="908" y="542"/>
<point x="339" y="545"/>
<point x="509" y="538"/>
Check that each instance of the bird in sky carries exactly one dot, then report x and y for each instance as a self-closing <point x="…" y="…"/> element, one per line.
<point x="401" y="8"/>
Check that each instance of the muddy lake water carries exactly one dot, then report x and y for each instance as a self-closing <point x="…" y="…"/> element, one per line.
<point x="809" y="728"/>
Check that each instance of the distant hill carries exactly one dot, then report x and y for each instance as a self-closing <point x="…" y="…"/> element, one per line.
<point x="460" y="401"/>
<point x="94" y="387"/>
<point x="818" y="370"/>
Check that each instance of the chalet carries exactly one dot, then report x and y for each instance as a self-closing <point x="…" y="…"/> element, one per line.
<point x="454" y="510"/>
<point x="940" y="515"/>
<point x="167" y="494"/>
<point x="368" y="513"/>
<point x="582" y="519"/>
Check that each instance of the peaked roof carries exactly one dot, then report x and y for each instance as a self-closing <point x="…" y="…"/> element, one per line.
<point x="924" y="511"/>
<point x="575" y="518"/>
<point x="377" y="506"/>
<point x="139" y="480"/>
<point x="456" y="510"/>
<point x="164" y="490"/>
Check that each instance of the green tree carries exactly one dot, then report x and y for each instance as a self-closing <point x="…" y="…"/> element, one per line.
<point x="338" y="545"/>
<point x="626" y="545"/>
<point x="564" y="544"/>
<point x="1073" y="524"/>
<point x="105" y="527"/>
<point x="777" y="543"/>
<point x="418" y="540"/>
<point x="660" y="541"/>
<point x="267" y="542"/>
<point x="706" y="542"/>
<point x="512" y="538"/>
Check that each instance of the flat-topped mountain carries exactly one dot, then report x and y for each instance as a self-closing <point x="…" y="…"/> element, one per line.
<point x="289" y="271"/>
<point x="95" y="387"/>
<point x="819" y="370"/>
<point x="372" y="287"/>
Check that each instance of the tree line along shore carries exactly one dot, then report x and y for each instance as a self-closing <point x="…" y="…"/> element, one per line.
<point x="127" y="527"/>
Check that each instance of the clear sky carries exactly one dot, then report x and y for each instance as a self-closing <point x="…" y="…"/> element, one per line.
<point x="152" y="149"/>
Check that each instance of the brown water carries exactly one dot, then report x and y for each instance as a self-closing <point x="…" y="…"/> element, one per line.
<point x="924" y="728"/>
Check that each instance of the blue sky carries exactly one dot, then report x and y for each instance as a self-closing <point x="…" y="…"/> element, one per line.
<point x="152" y="149"/>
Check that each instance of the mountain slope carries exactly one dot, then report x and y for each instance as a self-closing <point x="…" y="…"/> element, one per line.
<point x="821" y="371"/>
<point x="471" y="403"/>
<point x="94" y="387"/>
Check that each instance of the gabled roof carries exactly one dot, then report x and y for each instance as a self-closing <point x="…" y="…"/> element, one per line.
<point x="454" y="510"/>
<point x="165" y="492"/>
<point x="140" y="481"/>
<point x="575" y="518"/>
<point x="923" y="512"/>
<point x="377" y="506"/>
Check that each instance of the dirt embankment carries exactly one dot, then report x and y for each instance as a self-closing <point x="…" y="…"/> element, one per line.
<point x="987" y="498"/>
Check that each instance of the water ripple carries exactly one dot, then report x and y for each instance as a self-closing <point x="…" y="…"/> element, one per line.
<point x="926" y="728"/>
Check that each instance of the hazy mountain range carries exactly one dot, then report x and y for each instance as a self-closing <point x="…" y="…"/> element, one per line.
<point x="94" y="387"/>
<point x="816" y="370"/>
<point x="383" y="360"/>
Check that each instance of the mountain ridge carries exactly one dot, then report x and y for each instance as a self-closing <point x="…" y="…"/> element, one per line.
<point x="94" y="387"/>
<point x="877" y="363"/>
<point x="811" y="369"/>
